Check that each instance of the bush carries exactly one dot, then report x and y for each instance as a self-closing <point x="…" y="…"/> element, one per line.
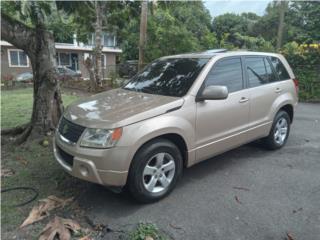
<point x="305" y="62"/>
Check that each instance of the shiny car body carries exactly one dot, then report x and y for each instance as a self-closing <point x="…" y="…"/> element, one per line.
<point x="255" y="89"/>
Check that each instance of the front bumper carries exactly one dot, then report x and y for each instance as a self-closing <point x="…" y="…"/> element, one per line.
<point x="103" y="166"/>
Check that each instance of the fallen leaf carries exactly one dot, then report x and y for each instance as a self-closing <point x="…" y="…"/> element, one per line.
<point x="60" y="228"/>
<point x="99" y="227"/>
<point x="298" y="210"/>
<point x="42" y="210"/>
<point x="242" y="188"/>
<point x="71" y="225"/>
<point x="6" y="172"/>
<point x="85" y="238"/>
<point x="55" y="202"/>
<point x="174" y="226"/>
<point x="22" y="160"/>
<point x="237" y="199"/>
<point x="289" y="236"/>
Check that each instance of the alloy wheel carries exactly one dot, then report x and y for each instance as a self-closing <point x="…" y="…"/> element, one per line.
<point x="281" y="131"/>
<point x="158" y="172"/>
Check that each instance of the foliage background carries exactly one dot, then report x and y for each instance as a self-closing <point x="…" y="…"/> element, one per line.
<point x="177" y="27"/>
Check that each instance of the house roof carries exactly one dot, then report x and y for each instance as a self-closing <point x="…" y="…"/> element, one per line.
<point x="70" y="46"/>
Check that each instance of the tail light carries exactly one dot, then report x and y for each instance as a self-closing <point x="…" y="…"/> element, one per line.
<point x="296" y="84"/>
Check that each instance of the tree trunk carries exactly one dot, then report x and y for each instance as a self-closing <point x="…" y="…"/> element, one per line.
<point x="89" y="66"/>
<point x="282" y="10"/>
<point x="99" y="7"/>
<point x="39" y="46"/>
<point x="143" y="32"/>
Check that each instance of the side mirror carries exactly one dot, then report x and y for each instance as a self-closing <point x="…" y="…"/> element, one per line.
<point x="213" y="93"/>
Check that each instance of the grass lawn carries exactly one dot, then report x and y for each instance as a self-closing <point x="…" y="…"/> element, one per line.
<point x="33" y="165"/>
<point x="16" y="106"/>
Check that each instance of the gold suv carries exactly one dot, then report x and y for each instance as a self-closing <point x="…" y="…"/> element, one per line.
<point x="178" y="111"/>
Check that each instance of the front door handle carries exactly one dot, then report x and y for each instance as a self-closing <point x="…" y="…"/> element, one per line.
<point x="278" y="90"/>
<point x="243" y="100"/>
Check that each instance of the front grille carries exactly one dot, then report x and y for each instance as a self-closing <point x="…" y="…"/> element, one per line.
<point x="66" y="157"/>
<point x="70" y="130"/>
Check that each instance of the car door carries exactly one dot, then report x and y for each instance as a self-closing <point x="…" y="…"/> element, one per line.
<point x="263" y="91"/>
<point x="221" y="124"/>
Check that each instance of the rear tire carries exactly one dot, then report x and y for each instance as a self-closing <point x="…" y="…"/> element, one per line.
<point x="155" y="170"/>
<point x="279" y="132"/>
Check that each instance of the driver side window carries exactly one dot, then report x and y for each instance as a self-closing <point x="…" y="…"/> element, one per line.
<point x="226" y="72"/>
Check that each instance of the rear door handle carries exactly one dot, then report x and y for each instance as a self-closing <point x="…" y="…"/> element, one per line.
<point x="243" y="100"/>
<point x="278" y="90"/>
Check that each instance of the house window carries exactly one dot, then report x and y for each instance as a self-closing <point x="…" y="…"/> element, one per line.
<point x="17" y="58"/>
<point x="109" y="40"/>
<point x="63" y="59"/>
<point x="103" y="61"/>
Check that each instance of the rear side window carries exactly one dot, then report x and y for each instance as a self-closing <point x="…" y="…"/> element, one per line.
<point x="279" y="68"/>
<point x="226" y="72"/>
<point x="270" y="74"/>
<point x="256" y="69"/>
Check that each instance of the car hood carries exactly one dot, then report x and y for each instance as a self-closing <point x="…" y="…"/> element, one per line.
<point x="119" y="107"/>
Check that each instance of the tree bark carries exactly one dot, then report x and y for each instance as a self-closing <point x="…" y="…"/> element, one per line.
<point x="143" y="32"/>
<point x="89" y="66"/>
<point x="40" y="48"/>
<point x="99" y="8"/>
<point x="282" y="10"/>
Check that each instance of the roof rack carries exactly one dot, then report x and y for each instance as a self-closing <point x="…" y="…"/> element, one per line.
<point x="221" y="50"/>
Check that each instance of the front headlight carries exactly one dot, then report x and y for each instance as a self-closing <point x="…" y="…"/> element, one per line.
<point x="100" y="138"/>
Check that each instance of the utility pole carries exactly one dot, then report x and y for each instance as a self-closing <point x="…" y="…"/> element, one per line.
<point x="282" y="10"/>
<point x="99" y="9"/>
<point x="143" y="32"/>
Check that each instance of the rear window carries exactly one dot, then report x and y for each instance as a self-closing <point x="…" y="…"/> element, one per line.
<point x="256" y="70"/>
<point x="279" y="68"/>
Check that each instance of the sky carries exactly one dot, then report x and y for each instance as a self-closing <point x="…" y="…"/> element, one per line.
<point x="219" y="7"/>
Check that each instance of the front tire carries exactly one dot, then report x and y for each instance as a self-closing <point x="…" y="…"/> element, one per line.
<point x="155" y="170"/>
<point x="279" y="132"/>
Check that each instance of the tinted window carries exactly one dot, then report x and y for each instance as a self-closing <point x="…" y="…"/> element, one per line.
<point x="226" y="72"/>
<point x="270" y="74"/>
<point x="256" y="70"/>
<point x="279" y="68"/>
<point x="170" y="77"/>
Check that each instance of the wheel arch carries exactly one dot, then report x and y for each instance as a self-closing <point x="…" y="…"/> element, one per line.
<point x="289" y="109"/>
<point x="175" y="138"/>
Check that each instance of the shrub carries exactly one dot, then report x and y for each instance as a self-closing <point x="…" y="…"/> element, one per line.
<point x="305" y="62"/>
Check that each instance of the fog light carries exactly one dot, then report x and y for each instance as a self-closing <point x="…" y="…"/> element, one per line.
<point x="84" y="170"/>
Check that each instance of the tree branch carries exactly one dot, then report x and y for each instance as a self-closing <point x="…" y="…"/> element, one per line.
<point x="16" y="33"/>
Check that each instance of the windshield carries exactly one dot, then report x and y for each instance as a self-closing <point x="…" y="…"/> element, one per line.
<point x="169" y="77"/>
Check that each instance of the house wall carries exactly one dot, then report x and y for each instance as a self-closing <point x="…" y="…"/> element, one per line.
<point x="6" y="70"/>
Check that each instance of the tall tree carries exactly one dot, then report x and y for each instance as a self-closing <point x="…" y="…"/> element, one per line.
<point x="33" y="37"/>
<point x="173" y="27"/>
<point x="89" y="17"/>
<point x="303" y="21"/>
<point x="143" y="32"/>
